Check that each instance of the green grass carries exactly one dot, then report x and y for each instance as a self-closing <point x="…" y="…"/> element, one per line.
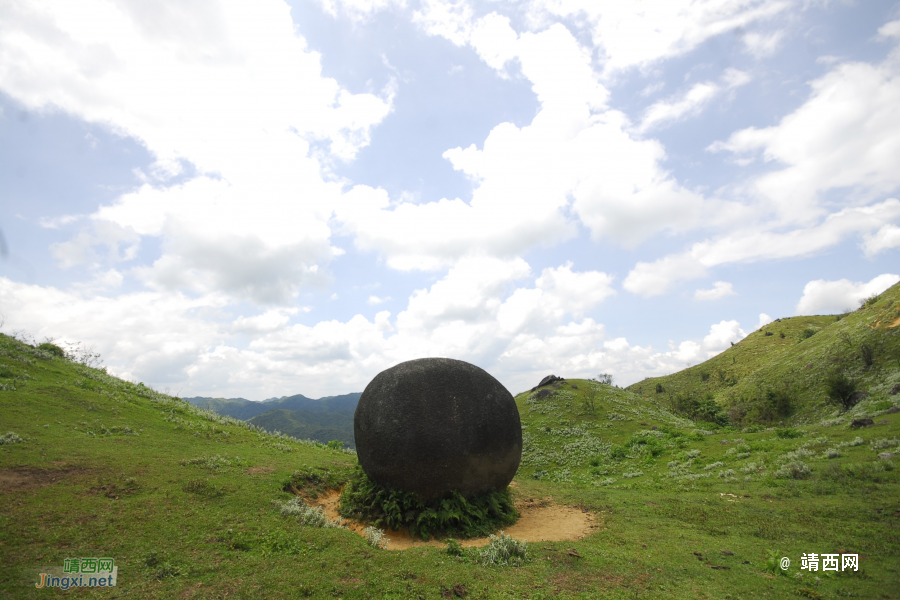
<point x="192" y="505"/>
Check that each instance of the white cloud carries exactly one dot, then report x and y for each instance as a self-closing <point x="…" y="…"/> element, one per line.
<point x="227" y="86"/>
<point x="763" y="45"/>
<point x="890" y="30"/>
<point x="271" y="320"/>
<point x="752" y="245"/>
<point x="373" y="300"/>
<point x="885" y="238"/>
<point x="693" y="102"/>
<point x="828" y="297"/>
<point x="720" y="290"/>
<point x="764" y="320"/>
<point x="451" y="20"/>
<point x="121" y="243"/>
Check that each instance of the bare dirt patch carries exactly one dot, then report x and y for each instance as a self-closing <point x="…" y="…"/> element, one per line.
<point x="260" y="470"/>
<point x="20" y="479"/>
<point x="539" y="521"/>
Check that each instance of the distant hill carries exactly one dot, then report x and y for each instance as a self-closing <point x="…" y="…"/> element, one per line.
<point x="323" y="420"/>
<point x="780" y="372"/>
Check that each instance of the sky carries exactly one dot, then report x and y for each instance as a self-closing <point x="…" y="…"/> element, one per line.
<point x="263" y="198"/>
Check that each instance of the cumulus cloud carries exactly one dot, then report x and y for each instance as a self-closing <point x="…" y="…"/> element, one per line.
<point x="829" y="297"/>
<point x="576" y="153"/>
<point x="476" y="313"/>
<point x="885" y="238"/>
<point x="226" y="86"/>
<point x="373" y="300"/>
<point x="764" y="320"/>
<point x="719" y="290"/>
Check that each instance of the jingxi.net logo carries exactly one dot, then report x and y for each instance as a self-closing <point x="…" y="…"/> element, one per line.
<point x="80" y="572"/>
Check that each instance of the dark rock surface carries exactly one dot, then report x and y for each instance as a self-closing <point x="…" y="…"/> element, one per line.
<point x="862" y="423"/>
<point x="895" y="389"/>
<point x="857" y="396"/>
<point x="432" y="425"/>
<point x="547" y="381"/>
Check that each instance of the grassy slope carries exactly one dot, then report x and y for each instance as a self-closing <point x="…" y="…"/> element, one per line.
<point x="739" y="378"/>
<point x="129" y="496"/>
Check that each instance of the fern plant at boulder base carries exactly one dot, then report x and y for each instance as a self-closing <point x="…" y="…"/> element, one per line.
<point x="453" y="514"/>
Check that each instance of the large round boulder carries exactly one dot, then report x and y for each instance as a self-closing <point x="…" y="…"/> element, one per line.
<point x="432" y="425"/>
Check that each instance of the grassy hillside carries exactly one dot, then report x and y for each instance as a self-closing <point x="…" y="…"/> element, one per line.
<point x="182" y="499"/>
<point x="781" y="373"/>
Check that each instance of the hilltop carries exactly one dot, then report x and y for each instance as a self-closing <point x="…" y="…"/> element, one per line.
<point x="781" y="372"/>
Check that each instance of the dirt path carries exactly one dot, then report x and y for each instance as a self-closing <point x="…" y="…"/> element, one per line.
<point x="540" y="521"/>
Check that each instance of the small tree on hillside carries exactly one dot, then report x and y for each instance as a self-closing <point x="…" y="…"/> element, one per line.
<point x="841" y="388"/>
<point x="605" y="378"/>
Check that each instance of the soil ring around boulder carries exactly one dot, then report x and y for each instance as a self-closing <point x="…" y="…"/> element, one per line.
<point x="539" y="521"/>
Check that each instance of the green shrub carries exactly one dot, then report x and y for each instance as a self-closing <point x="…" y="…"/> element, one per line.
<point x="52" y="349"/>
<point x="453" y="514"/>
<point x="454" y="548"/>
<point x="840" y="388"/>
<point x="788" y="433"/>
<point x="870" y="301"/>
<point x="335" y="445"/>
<point x="780" y="401"/>
<point x="808" y="333"/>
<point x="617" y="452"/>
<point x="867" y="354"/>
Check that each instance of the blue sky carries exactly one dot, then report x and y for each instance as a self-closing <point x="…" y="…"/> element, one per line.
<point x="266" y="198"/>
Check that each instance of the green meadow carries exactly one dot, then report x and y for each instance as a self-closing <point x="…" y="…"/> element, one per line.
<point x="700" y="483"/>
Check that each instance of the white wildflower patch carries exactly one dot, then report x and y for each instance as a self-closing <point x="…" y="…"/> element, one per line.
<point x="503" y="550"/>
<point x="376" y="537"/>
<point x="10" y="438"/>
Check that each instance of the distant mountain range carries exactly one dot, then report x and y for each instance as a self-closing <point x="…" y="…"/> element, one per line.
<point x="323" y="420"/>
